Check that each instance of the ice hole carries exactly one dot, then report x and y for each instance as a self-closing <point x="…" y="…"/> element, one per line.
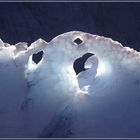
<point x="37" y="57"/>
<point x="78" y="64"/>
<point x="78" y="41"/>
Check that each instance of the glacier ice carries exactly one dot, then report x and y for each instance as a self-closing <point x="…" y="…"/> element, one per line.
<point x="48" y="99"/>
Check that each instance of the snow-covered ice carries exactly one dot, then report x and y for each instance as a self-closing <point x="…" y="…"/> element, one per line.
<point x="48" y="99"/>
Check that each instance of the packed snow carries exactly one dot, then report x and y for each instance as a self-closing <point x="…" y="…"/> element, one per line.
<point x="48" y="99"/>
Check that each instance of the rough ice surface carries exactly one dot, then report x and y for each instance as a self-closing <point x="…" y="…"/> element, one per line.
<point x="48" y="99"/>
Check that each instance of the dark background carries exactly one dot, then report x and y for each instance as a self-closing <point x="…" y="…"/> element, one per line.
<point x="26" y="22"/>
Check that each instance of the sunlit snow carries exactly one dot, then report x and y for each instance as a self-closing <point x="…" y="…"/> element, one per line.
<point x="48" y="99"/>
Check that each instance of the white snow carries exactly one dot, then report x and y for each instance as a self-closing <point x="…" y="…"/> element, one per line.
<point x="48" y="99"/>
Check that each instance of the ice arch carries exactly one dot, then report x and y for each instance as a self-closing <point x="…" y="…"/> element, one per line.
<point x="105" y="88"/>
<point x="101" y="102"/>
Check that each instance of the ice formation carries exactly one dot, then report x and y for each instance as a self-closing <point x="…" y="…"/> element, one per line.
<point x="48" y="99"/>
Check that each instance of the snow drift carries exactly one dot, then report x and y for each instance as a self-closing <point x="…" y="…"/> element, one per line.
<point x="48" y="99"/>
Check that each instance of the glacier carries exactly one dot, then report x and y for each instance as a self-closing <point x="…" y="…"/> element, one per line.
<point x="48" y="99"/>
